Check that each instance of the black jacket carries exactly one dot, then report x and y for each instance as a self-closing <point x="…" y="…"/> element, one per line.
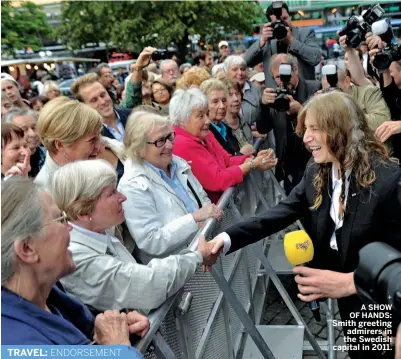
<point x="123" y="113"/>
<point x="392" y="96"/>
<point x="289" y="147"/>
<point x="372" y="214"/>
<point x="231" y="145"/>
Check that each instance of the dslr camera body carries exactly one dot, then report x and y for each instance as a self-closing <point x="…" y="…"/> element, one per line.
<point x="279" y="29"/>
<point x="392" y="52"/>
<point x="378" y="275"/>
<point x="282" y="102"/>
<point x="162" y="54"/>
<point x="358" y="26"/>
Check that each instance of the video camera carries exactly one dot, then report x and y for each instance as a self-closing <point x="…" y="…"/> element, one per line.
<point x="330" y="71"/>
<point x="282" y="102"/>
<point x="279" y="29"/>
<point x="378" y="275"/>
<point x="162" y="54"/>
<point x="358" y="26"/>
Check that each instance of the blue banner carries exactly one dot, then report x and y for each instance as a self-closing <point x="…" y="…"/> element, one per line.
<point x="70" y="351"/>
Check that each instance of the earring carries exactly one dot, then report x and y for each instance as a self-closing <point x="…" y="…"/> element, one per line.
<point x="90" y="218"/>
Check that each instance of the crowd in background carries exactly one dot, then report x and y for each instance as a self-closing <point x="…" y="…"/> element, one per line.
<point x="128" y="168"/>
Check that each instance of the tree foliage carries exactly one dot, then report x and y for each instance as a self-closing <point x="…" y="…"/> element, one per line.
<point x="22" y="27"/>
<point x="135" y="24"/>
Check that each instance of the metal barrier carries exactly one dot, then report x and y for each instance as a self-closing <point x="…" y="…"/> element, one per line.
<point x="214" y="312"/>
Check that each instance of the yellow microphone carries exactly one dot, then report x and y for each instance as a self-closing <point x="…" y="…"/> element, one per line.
<point x="298" y="248"/>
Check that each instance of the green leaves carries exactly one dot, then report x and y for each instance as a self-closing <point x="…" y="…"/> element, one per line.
<point x="135" y="24"/>
<point x="22" y="27"/>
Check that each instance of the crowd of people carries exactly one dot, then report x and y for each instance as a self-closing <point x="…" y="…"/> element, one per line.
<point x="102" y="193"/>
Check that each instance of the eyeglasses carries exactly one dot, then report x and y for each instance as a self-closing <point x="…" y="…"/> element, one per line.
<point x="62" y="219"/>
<point x="162" y="141"/>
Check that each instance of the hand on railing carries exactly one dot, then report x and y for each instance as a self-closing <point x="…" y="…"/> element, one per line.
<point x="111" y="328"/>
<point x="208" y="211"/>
<point x="210" y="251"/>
<point x="138" y="324"/>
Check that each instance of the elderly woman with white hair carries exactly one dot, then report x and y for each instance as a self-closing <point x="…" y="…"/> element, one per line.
<point x="51" y="90"/>
<point x="165" y="204"/>
<point x="107" y="275"/>
<point x="217" y="94"/>
<point x="251" y="108"/>
<point x="35" y="310"/>
<point x="215" y="168"/>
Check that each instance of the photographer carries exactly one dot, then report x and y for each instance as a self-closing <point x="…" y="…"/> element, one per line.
<point x="391" y="89"/>
<point x="353" y="82"/>
<point x="300" y="42"/>
<point x="291" y="153"/>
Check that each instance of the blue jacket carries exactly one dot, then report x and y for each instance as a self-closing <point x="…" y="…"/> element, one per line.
<point x="124" y="114"/>
<point x="23" y="322"/>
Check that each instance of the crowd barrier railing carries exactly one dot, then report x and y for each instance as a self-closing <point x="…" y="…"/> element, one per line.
<point x="212" y="315"/>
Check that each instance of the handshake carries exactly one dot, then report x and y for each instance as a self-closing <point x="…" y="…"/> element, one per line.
<point x="210" y="251"/>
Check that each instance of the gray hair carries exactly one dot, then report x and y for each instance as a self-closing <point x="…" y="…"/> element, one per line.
<point x="50" y="85"/>
<point x="139" y="125"/>
<point x="184" y="66"/>
<point x="213" y="85"/>
<point x="77" y="186"/>
<point x="234" y="60"/>
<point x="168" y="61"/>
<point x="22" y="214"/>
<point x="290" y="59"/>
<point x="184" y="102"/>
<point x="9" y="117"/>
<point x="98" y="69"/>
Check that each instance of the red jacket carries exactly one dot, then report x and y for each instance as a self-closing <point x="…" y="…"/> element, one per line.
<point x="214" y="168"/>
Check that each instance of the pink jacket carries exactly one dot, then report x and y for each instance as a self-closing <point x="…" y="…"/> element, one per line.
<point x="214" y="168"/>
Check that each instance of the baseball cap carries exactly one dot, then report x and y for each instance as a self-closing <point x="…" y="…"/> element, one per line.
<point x="7" y="77"/>
<point x="259" y="77"/>
<point x="223" y="43"/>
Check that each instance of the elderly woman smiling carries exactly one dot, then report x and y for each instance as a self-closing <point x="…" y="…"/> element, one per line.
<point x="165" y="202"/>
<point x="107" y="275"/>
<point x="34" y="252"/>
<point x="215" y="169"/>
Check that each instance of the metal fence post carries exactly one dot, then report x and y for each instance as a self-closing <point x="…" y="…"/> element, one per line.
<point x="183" y="327"/>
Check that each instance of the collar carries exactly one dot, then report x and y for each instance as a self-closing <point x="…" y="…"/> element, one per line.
<point x="246" y="87"/>
<point x="51" y="164"/>
<point x="173" y="169"/>
<point x="181" y="132"/>
<point x="334" y="175"/>
<point x="221" y="128"/>
<point x="118" y="118"/>
<point x="97" y="241"/>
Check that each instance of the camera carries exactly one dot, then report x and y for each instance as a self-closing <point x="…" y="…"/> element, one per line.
<point x="282" y="102"/>
<point x="279" y="29"/>
<point x="162" y="54"/>
<point x="385" y="57"/>
<point x="378" y="275"/>
<point x="330" y="71"/>
<point x="358" y="26"/>
<point x="383" y="29"/>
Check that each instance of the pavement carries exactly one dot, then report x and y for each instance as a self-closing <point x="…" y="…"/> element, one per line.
<point x="277" y="313"/>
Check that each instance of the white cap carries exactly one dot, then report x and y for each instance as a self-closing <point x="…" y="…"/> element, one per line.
<point x="259" y="77"/>
<point x="223" y="43"/>
<point x="7" y="77"/>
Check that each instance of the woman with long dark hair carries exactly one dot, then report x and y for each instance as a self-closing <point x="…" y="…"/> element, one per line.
<point x="350" y="196"/>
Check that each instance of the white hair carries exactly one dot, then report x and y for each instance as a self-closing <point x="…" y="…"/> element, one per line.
<point x="78" y="185"/>
<point x="9" y="117"/>
<point x="22" y="215"/>
<point x="234" y="60"/>
<point x="169" y="61"/>
<point x="216" y="69"/>
<point x="184" y="102"/>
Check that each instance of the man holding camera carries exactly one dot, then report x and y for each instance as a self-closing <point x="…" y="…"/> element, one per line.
<point x="279" y="36"/>
<point x="290" y="151"/>
<point x="391" y="89"/>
